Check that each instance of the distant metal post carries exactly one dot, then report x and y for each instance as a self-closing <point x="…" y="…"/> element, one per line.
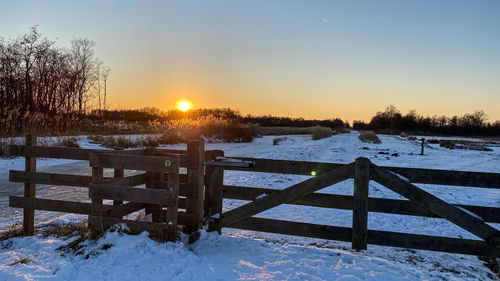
<point x="422" y="146"/>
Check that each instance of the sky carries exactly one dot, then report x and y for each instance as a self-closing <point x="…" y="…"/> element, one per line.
<point x="312" y="59"/>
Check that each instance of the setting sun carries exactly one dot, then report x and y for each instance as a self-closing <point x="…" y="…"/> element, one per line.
<point x="184" y="105"/>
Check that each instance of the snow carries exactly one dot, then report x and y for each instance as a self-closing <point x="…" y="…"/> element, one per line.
<point x="212" y="257"/>
<point x="260" y="196"/>
<point x="247" y="255"/>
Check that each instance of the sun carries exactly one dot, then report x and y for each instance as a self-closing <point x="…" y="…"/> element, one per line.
<point x="184" y="105"/>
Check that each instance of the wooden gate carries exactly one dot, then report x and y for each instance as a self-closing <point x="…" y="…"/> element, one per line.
<point x="163" y="172"/>
<point x="165" y="188"/>
<point x="420" y="203"/>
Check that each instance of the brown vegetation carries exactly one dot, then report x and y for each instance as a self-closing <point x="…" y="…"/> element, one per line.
<point x="321" y="132"/>
<point x="368" y="136"/>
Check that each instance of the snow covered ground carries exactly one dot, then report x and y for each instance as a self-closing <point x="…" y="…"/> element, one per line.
<point x="246" y="255"/>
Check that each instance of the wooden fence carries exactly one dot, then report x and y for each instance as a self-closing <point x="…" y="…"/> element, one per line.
<point x="398" y="179"/>
<point x="181" y="193"/>
<point x="187" y="200"/>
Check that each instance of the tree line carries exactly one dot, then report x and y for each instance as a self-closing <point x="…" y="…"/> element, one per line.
<point x="393" y="121"/>
<point x="148" y="114"/>
<point x="36" y="76"/>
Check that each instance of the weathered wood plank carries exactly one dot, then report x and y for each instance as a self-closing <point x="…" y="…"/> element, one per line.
<point x="185" y="189"/>
<point x="212" y="154"/>
<point x="156" y="210"/>
<point x="130" y="181"/>
<point x="375" y="237"/>
<point x="52" y="152"/>
<point x="133" y="162"/>
<point x="149" y="177"/>
<point x="432" y="243"/>
<point x="118" y="175"/>
<point x="184" y="160"/>
<point x="29" y="189"/>
<point x="51" y="205"/>
<point x="428" y="201"/>
<point x="415" y="175"/>
<point x="295" y="228"/>
<point x="288" y="195"/>
<point x="139" y="195"/>
<point x="71" y="180"/>
<point x="63" y="152"/>
<point x="448" y="177"/>
<point x="214" y="180"/>
<point x="209" y="154"/>
<point x="181" y="202"/>
<point x="360" y="203"/>
<point x="345" y="202"/>
<point x="49" y="178"/>
<point x="96" y="210"/>
<point x="172" y="211"/>
<point x="195" y="179"/>
<point x="123" y="210"/>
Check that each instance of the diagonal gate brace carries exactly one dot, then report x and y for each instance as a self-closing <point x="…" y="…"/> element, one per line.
<point x="288" y="195"/>
<point x="439" y="207"/>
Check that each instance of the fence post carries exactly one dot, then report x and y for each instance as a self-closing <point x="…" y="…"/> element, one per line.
<point x="360" y="203"/>
<point x="422" y="146"/>
<point x="151" y="151"/>
<point x="173" y="211"/>
<point x="214" y="180"/>
<point x="195" y="173"/>
<point x="96" y="208"/>
<point x="29" y="189"/>
<point x="118" y="173"/>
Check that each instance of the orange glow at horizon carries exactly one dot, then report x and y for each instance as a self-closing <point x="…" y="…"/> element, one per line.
<point x="184" y="105"/>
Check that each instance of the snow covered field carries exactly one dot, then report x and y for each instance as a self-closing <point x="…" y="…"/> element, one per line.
<point x="246" y="255"/>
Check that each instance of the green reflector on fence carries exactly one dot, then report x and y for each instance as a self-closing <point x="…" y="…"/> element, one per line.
<point x="313" y="173"/>
<point x="168" y="163"/>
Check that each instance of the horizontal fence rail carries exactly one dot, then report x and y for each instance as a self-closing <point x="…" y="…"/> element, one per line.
<point x="335" y="201"/>
<point x="415" y="175"/>
<point x="375" y="237"/>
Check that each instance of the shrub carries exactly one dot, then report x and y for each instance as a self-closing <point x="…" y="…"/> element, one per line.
<point x="368" y="136"/>
<point x="209" y="127"/>
<point x="115" y="142"/>
<point x="150" y="141"/>
<point x="447" y="144"/>
<point x="276" y="141"/>
<point x="342" y="130"/>
<point x="321" y="132"/>
<point x="69" y="142"/>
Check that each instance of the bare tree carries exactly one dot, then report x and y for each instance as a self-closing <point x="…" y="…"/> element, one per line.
<point x="105" y="75"/>
<point x="36" y="76"/>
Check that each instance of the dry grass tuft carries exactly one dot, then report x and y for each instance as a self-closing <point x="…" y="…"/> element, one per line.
<point x="11" y="231"/>
<point x="79" y="228"/>
<point x="23" y="260"/>
<point x="342" y="130"/>
<point x="369" y="136"/>
<point x="319" y="132"/>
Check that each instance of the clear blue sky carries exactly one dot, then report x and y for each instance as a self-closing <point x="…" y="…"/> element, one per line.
<point x="319" y="59"/>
